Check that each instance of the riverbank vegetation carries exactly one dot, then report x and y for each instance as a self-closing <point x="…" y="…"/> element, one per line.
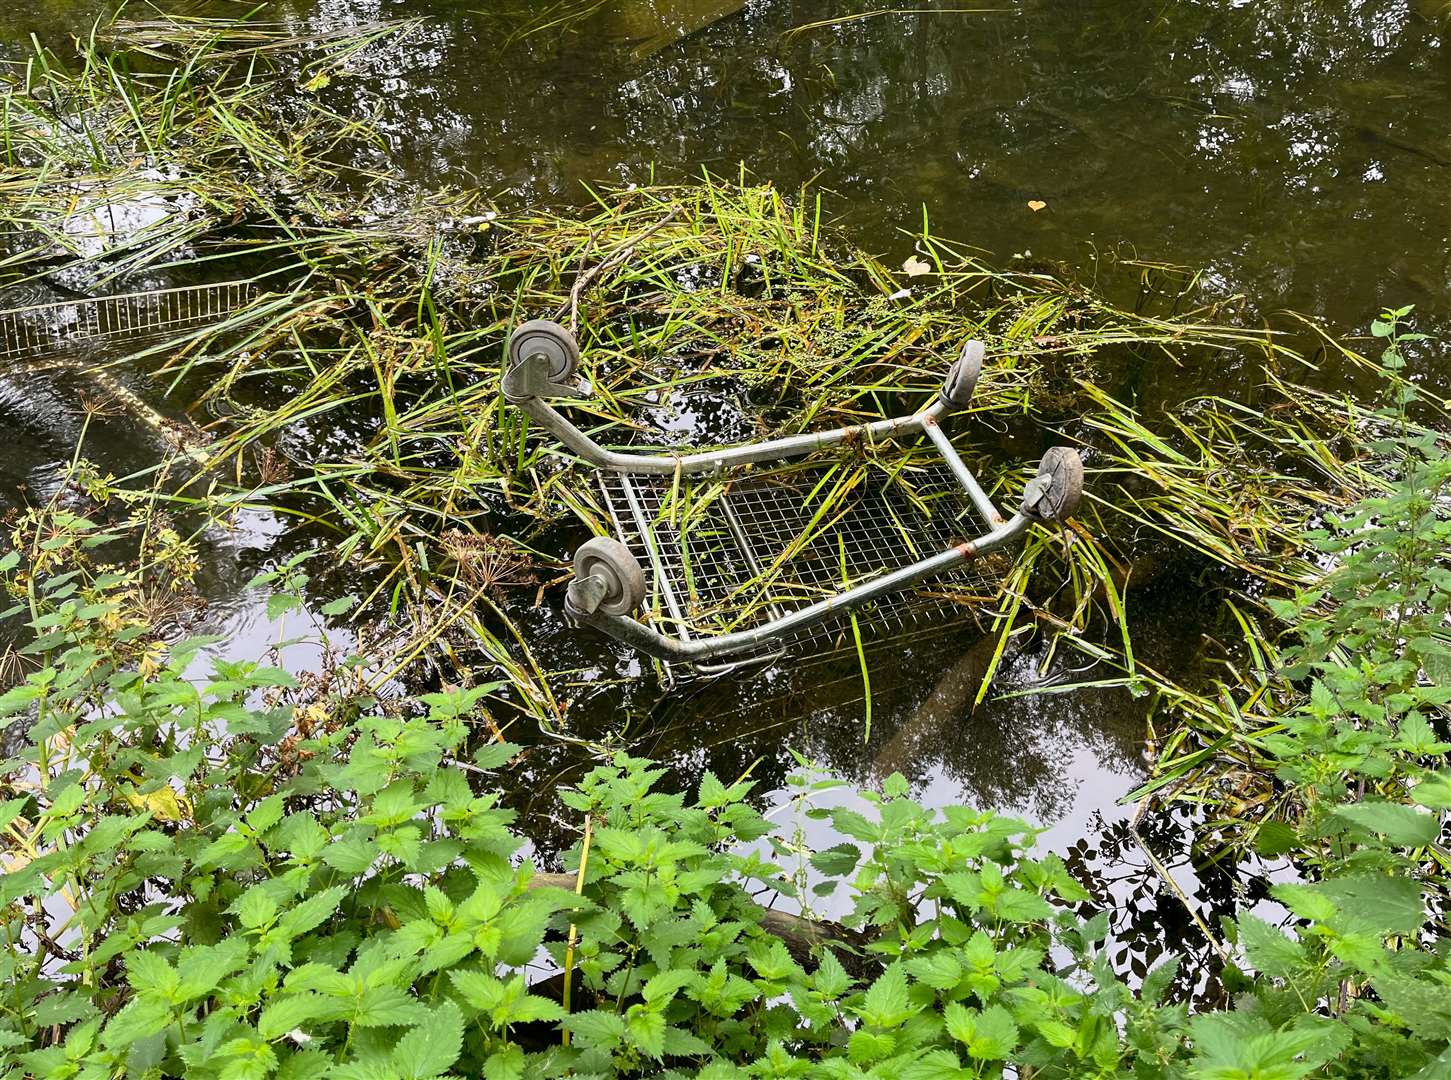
<point x="217" y="866"/>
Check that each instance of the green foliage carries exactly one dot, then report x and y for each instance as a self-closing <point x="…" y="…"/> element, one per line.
<point x="214" y="871"/>
<point x="212" y="874"/>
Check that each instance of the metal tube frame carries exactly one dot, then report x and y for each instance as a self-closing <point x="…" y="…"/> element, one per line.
<point x="926" y="421"/>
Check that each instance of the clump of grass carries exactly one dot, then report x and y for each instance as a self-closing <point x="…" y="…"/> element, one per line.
<point x="150" y="138"/>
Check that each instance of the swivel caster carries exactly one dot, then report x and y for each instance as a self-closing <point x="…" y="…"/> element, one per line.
<point x="1054" y="493"/>
<point x="962" y="377"/>
<point x="607" y="578"/>
<point x="543" y="357"/>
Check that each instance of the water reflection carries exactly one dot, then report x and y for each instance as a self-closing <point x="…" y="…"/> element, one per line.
<point x="1295" y="152"/>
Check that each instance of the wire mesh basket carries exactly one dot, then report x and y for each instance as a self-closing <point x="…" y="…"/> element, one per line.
<point x="50" y="330"/>
<point x="736" y="556"/>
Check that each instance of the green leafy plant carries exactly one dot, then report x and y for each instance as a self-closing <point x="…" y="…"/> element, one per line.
<point x="214" y="868"/>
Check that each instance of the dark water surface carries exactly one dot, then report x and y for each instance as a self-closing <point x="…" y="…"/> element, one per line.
<point x="1297" y="154"/>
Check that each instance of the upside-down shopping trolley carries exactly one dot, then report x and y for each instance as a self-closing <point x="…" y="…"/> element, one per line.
<point x="709" y="557"/>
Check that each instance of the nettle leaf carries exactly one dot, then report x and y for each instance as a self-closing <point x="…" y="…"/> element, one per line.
<point x="665" y="985"/>
<point x="202" y="969"/>
<point x="596" y="1029"/>
<point x="432" y="1047"/>
<point x="1270" y="950"/>
<point x="838" y="861"/>
<point x="865" y="1047"/>
<point x="1376" y="902"/>
<point x="772" y="961"/>
<point x="1422" y="1004"/>
<point x="353" y="854"/>
<point x="492" y="755"/>
<point x="141" y="1017"/>
<point x="256" y="908"/>
<point x="830" y="979"/>
<point x="385" y="1006"/>
<point x="63" y="1008"/>
<point x="989" y="1035"/>
<point x="312" y="912"/>
<point x="1237" y="1044"/>
<point x="1020" y="906"/>
<point x="937" y="1065"/>
<point x="645" y="1027"/>
<point x="939" y="969"/>
<point x="713" y="793"/>
<point x="887" y="1004"/>
<point x="294" y="1012"/>
<point x="1434" y="791"/>
<point x="150" y="972"/>
<point x="1159" y="979"/>
<point x="1406" y="826"/>
<point x="720" y="992"/>
<point x="850" y="823"/>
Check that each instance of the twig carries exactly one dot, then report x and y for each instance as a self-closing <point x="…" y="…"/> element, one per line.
<point x="614" y="259"/>
<point x="1168" y="878"/>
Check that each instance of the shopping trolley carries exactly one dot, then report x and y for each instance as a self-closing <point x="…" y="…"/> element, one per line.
<point x="747" y="562"/>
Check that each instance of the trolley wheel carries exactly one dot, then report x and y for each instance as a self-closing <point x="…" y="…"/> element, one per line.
<point x="613" y="561"/>
<point x="549" y="338"/>
<point x="1060" y="501"/>
<point x="962" y="376"/>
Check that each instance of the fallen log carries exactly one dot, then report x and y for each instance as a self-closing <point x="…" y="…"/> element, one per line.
<point x="803" y="937"/>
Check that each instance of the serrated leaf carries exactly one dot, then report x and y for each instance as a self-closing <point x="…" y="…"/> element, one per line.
<point x="432" y="1047"/>
<point x="666" y="984"/>
<point x="887" y="1003"/>
<point x="140" y="1018"/>
<point x="838" y="861"/>
<point x="385" y="1006"/>
<point x="939" y="969"/>
<point x="1434" y="791"/>
<point x="149" y="972"/>
<point x="596" y="1028"/>
<point x="494" y="754"/>
<point x="1406" y="826"/>
<point x="351" y="855"/>
<point x="646" y="1029"/>
<point x="830" y="978"/>
<point x="292" y="1013"/>
<point x="850" y="823"/>
<point x="312" y="912"/>
<point x="1268" y="949"/>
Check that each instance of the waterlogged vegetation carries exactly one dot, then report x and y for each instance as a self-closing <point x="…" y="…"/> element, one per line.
<point x="412" y="858"/>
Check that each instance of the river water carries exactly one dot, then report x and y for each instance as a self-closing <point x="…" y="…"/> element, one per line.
<point x="1291" y="154"/>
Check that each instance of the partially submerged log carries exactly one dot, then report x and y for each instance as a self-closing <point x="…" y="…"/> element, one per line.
<point x="803" y="937"/>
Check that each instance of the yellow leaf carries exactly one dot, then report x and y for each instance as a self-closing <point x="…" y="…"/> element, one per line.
<point x="1036" y="204"/>
<point x="915" y="267"/>
<point x="163" y="803"/>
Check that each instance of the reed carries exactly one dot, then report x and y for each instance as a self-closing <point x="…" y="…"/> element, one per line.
<point x="369" y="357"/>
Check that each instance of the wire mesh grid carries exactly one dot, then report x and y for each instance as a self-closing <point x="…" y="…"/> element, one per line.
<point x="729" y="556"/>
<point x="43" y="331"/>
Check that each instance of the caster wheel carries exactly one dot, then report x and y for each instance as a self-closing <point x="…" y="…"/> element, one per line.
<point x="1058" y="498"/>
<point x="963" y="375"/>
<point x="549" y="338"/>
<point x="608" y="558"/>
